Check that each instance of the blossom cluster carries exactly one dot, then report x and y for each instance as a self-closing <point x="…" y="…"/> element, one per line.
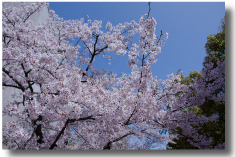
<point x="76" y="108"/>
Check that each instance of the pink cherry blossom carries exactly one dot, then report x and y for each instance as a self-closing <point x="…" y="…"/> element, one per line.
<point x="71" y="109"/>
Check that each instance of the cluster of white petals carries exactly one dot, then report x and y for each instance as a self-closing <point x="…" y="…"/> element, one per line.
<point x="78" y="108"/>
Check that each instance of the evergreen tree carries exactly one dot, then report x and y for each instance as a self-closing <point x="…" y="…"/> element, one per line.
<point x="215" y="48"/>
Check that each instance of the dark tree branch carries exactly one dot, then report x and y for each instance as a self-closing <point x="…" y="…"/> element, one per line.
<point x="101" y="50"/>
<point x="81" y="137"/>
<point x="38" y="129"/>
<point x="28" y="140"/>
<point x="86" y="118"/>
<point x="147" y="55"/>
<point x="31" y="14"/>
<point x="65" y="125"/>
<point x="77" y="42"/>
<point x="51" y="73"/>
<point x="60" y="63"/>
<point x="149" y="10"/>
<point x="26" y="76"/>
<point x="109" y="144"/>
<point x="87" y="47"/>
<point x="5" y="36"/>
<point x="30" y="85"/>
<point x="163" y="126"/>
<point x="60" y="133"/>
<point x="17" y="82"/>
<point x="12" y="23"/>
<point x="96" y="40"/>
<point x="128" y="120"/>
<point x="57" y="93"/>
<point x="6" y="85"/>
<point x="94" y="53"/>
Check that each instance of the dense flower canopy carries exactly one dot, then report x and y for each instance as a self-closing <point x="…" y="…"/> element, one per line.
<point x="64" y="106"/>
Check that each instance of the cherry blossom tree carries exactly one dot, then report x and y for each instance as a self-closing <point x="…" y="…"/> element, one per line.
<point x="215" y="48"/>
<point x="71" y="109"/>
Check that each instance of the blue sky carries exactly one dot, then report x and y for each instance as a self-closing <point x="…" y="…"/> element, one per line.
<point x="188" y="25"/>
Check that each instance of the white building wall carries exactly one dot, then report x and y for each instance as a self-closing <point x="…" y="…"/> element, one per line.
<point x="37" y="17"/>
